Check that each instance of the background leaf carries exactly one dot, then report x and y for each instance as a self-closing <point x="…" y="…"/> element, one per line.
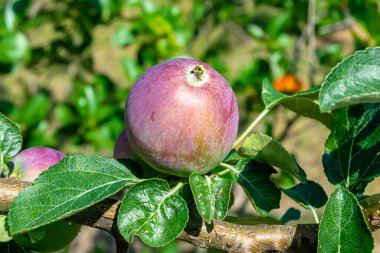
<point x="10" y="138"/>
<point x="310" y="195"/>
<point x="309" y="108"/>
<point x="76" y="182"/>
<point x="153" y="212"/>
<point x="354" y="80"/>
<point x="35" y="110"/>
<point x="352" y="150"/>
<point x="254" y="176"/>
<point x="13" y="12"/>
<point x="212" y="196"/>
<point x="263" y="148"/>
<point x="291" y="214"/>
<point x="270" y="96"/>
<point x="14" y="47"/>
<point x="304" y="103"/>
<point x="342" y="228"/>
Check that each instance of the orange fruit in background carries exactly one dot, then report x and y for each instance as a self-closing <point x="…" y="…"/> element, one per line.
<point x="288" y="84"/>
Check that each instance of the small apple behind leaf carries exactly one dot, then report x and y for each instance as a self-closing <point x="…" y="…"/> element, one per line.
<point x="27" y="165"/>
<point x="122" y="149"/>
<point x="181" y="117"/>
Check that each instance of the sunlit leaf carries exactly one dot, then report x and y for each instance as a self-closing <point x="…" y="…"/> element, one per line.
<point x="212" y="196"/>
<point x="76" y="182"/>
<point x="263" y="148"/>
<point x="354" y="80"/>
<point x="152" y="211"/>
<point x="342" y="228"/>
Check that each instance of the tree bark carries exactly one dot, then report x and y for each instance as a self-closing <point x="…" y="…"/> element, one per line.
<point x="220" y="234"/>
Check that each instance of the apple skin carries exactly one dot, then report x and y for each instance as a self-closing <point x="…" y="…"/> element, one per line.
<point x="122" y="149"/>
<point x="181" y="117"/>
<point x="27" y="165"/>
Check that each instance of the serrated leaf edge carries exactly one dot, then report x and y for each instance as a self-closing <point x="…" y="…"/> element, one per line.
<point x="209" y="182"/>
<point x="334" y="105"/>
<point x="173" y="192"/>
<point x="68" y="214"/>
<point x="358" y="205"/>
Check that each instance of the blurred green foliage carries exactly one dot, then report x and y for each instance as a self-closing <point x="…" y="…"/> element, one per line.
<point x="66" y="66"/>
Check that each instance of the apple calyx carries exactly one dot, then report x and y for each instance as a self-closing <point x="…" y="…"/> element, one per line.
<point x="197" y="76"/>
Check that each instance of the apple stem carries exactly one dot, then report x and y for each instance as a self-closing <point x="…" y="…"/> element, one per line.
<point x="228" y="169"/>
<point x="176" y="188"/>
<point x="315" y="215"/>
<point x="251" y="126"/>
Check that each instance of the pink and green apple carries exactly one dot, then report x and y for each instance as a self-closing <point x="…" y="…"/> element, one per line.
<point x="181" y="116"/>
<point x="122" y="149"/>
<point x="29" y="163"/>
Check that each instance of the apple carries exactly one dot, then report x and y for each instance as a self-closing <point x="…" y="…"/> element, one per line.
<point x="27" y="165"/>
<point x="122" y="149"/>
<point x="181" y="116"/>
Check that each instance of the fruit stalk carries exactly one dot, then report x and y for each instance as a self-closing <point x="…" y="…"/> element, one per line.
<point x="251" y="126"/>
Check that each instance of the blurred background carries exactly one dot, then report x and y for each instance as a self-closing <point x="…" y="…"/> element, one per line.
<point x="66" y="67"/>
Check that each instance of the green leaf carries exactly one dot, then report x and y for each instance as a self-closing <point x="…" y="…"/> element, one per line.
<point x="263" y="148"/>
<point x="270" y="96"/>
<point x="12" y="247"/>
<point x="233" y="156"/>
<point x="310" y="195"/>
<point x="254" y="176"/>
<point x="123" y="36"/>
<point x="35" y="110"/>
<point x="354" y="80"/>
<point x="304" y="103"/>
<point x="76" y="182"/>
<point x="291" y="214"/>
<point x="342" y="228"/>
<point x="14" y="47"/>
<point x="10" y="138"/>
<point x="4" y="233"/>
<point x="212" y="196"/>
<point x="131" y="69"/>
<point x="352" y="150"/>
<point x="152" y="211"/>
<point x="309" y="108"/>
<point x="14" y="10"/>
